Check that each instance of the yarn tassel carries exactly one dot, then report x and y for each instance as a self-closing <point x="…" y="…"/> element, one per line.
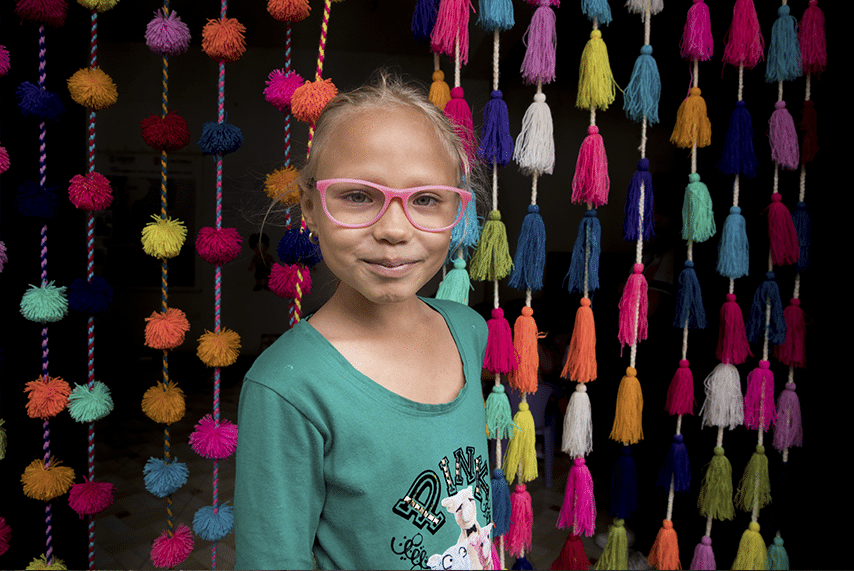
<point x="633" y="309"/>
<point x="499" y="418"/>
<point x="704" y="557"/>
<point x="581" y="355"/>
<point x="809" y="129"/>
<point x="664" y="553"/>
<point x="692" y="122"/>
<point x="585" y="252"/>
<point x="632" y="227"/>
<point x="458" y="112"/>
<point x="788" y="432"/>
<point x="451" y="30"/>
<point x="456" y="285"/>
<point x="680" y="393"/>
<point x="521" y="521"/>
<point x="784" y="51"/>
<point x="598" y="10"/>
<point x="578" y="511"/>
<point x="491" y="261"/>
<point x="689" y="300"/>
<point x="616" y="552"/>
<point x="465" y="234"/>
<point x="501" y="355"/>
<point x="732" y="336"/>
<point x="785" y="249"/>
<point x="724" y="405"/>
<point x="530" y="259"/>
<point x="759" y="398"/>
<point x="624" y="485"/>
<point x="744" y="42"/>
<point x="697" y="42"/>
<point x="715" y="499"/>
<point x="783" y="137"/>
<point x="698" y="220"/>
<point x="525" y="337"/>
<point x="590" y="182"/>
<point x="812" y="40"/>
<point x="496" y="143"/>
<point x="521" y="457"/>
<point x="778" y="559"/>
<point x="424" y="19"/>
<point x="751" y="550"/>
<point x="738" y="156"/>
<point x="748" y="494"/>
<point x="791" y="352"/>
<point x="803" y="227"/>
<point x="628" y="427"/>
<point x="440" y="92"/>
<point x="578" y="424"/>
<point x="538" y="65"/>
<point x="733" y="249"/>
<point x="572" y="555"/>
<point x="640" y="99"/>
<point x="521" y="563"/>
<point x="768" y="293"/>
<point x="495" y="14"/>
<point x="534" y="151"/>
<point x="501" y="503"/>
<point x="676" y="467"/>
<point x="596" y="84"/>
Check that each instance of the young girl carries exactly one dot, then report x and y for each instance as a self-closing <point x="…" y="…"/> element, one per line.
<point x="362" y="430"/>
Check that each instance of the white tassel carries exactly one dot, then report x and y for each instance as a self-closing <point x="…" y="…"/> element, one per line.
<point x="724" y="404"/>
<point x="534" y="151"/>
<point x="639" y="6"/>
<point x="578" y="424"/>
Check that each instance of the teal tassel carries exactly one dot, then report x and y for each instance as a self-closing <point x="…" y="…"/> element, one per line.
<point x="467" y="232"/>
<point x="496" y="14"/>
<point x="767" y="292"/>
<point x="733" y="255"/>
<point x="784" y="53"/>
<point x="456" y="285"/>
<point x="598" y="10"/>
<point x="499" y="417"/>
<point x="644" y="89"/>
<point x="698" y="220"/>
<point x="213" y="526"/>
<point x="589" y="237"/>
<point x="689" y="300"/>
<point x="88" y="406"/>
<point x="778" y="559"/>
<point x="500" y="503"/>
<point x="45" y="304"/>
<point x="530" y="258"/>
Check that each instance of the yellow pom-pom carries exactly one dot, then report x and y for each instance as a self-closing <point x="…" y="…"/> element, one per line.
<point x="98" y="6"/>
<point x="46" y="483"/>
<point x="223" y="39"/>
<point x="596" y="84"/>
<point x="310" y="98"/>
<point x="280" y="185"/>
<point x="48" y="396"/>
<point x="92" y="88"/>
<point x="164" y="403"/>
<point x="219" y="349"/>
<point x="56" y="564"/>
<point x="628" y="427"/>
<point x="163" y="238"/>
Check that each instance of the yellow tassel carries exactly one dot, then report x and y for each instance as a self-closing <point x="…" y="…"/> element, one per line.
<point x="219" y="349"/>
<point x="525" y="337"/>
<point x="752" y="553"/>
<point x="440" y="93"/>
<point x="92" y="88"/>
<point x="41" y="563"/>
<point x="521" y="458"/>
<point x="45" y="484"/>
<point x="163" y="238"/>
<point x="280" y="186"/>
<point x="164" y="403"/>
<point x="627" y="427"/>
<point x="692" y="123"/>
<point x="596" y="85"/>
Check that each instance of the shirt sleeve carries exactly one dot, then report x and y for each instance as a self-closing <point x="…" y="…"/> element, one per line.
<point x="279" y="484"/>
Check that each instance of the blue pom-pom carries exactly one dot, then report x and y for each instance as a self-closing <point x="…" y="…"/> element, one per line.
<point x="295" y="247"/>
<point x="500" y="503"/>
<point x="644" y="89"/>
<point x="801" y="220"/>
<point x="676" y="467"/>
<point x="212" y="526"/>
<point x="424" y="19"/>
<point x="90" y="297"/>
<point x="624" y="485"/>
<point x="495" y="14"/>
<point x="768" y="292"/>
<point x="220" y="138"/>
<point x="162" y="479"/>
<point x="33" y="101"/>
<point x="632" y="225"/>
<point x="33" y="200"/>
<point x="465" y="234"/>
<point x="784" y="51"/>
<point x="522" y="563"/>
<point x="738" y="156"/>
<point x="689" y="300"/>
<point x="530" y="258"/>
<point x="586" y="249"/>
<point x="44" y="304"/>
<point x="88" y="406"/>
<point x="496" y="142"/>
<point x="598" y="10"/>
<point x="733" y="251"/>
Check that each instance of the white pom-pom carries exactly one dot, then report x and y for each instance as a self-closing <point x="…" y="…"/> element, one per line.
<point x="724" y="404"/>
<point x="578" y="424"/>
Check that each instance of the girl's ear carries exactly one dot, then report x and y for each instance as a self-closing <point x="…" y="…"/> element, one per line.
<point x="308" y="205"/>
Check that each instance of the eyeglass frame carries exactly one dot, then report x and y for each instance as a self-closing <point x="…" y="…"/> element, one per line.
<point x="390" y="193"/>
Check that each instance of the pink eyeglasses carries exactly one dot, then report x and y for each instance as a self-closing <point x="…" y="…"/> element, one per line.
<point x="353" y="203"/>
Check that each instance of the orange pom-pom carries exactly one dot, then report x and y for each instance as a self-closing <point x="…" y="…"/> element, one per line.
<point x="92" y="88"/>
<point x="223" y="39"/>
<point x="219" y="349"/>
<point x="46" y="483"/>
<point x="310" y="98"/>
<point x="166" y="330"/>
<point x="288" y="10"/>
<point x="48" y="397"/>
<point x="164" y="403"/>
<point x="280" y="186"/>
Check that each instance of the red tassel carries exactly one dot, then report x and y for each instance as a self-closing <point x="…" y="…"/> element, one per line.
<point x="785" y="250"/>
<point x="501" y="355"/>
<point x="525" y="337"/>
<point x="680" y="393"/>
<point x="572" y="556"/>
<point x="791" y="352"/>
<point x="633" y="309"/>
<point x="664" y="553"/>
<point x="521" y="521"/>
<point x="809" y="144"/>
<point x="733" y="347"/>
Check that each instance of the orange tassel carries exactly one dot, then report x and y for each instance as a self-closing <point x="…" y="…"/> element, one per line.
<point x="581" y="357"/>
<point x="692" y="123"/>
<point x="48" y="397"/>
<point x="627" y="419"/>
<point x="665" y="550"/>
<point x="525" y="337"/>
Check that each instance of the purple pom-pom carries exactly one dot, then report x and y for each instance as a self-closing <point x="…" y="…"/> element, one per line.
<point x="167" y="35"/>
<point x="4" y="60"/>
<point x="33" y="101"/>
<point x="90" y="498"/>
<point x="91" y="191"/>
<point x="218" y="246"/>
<point x="90" y="296"/>
<point x="33" y="200"/>
<point x="280" y="88"/>
<point x="295" y="247"/>
<point x="214" y="440"/>
<point x="168" y="551"/>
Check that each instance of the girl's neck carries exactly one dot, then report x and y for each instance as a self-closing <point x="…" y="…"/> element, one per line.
<point x="350" y="311"/>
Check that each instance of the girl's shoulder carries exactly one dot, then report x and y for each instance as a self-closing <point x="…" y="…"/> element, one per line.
<point x="459" y="316"/>
<point x="294" y="355"/>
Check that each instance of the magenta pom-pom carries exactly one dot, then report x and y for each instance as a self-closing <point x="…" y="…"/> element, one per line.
<point x="680" y="393"/>
<point x="168" y="551"/>
<point x="4" y="60"/>
<point x="733" y="347"/>
<point x="759" y="406"/>
<point x="501" y="355"/>
<point x="812" y="40"/>
<point x="633" y="309"/>
<point x="5" y="535"/>
<point x="791" y="352"/>
<point x="167" y="35"/>
<point x="744" y="43"/>
<point x="4" y="258"/>
<point x="169" y="133"/>
<point x="521" y="520"/>
<point x="90" y="498"/>
<point x="214" y="440"/>
<point x="579" y="508"/>
<point x="591" y="182"/>
<point x="782" y="236"/>
<point x="290" y="281"/>
<point x="458" y="112"/>
<point x="50" y="12"/>
<point x="91" y="191"/>
<point x="218" y="246"/>
<point x="280" y="88"/>
<point x="697" y="35"/>
<point x="4" y="160"/>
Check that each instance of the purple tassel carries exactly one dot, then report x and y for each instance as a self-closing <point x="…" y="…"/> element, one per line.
<point x="760" y="398"/>
<point x="783" y="138"/>
<point x="738" y="156"/>
<point x="704" y="557"/>
<point x="423" y="19"/>
<point x="541" y="39"/>
<point x="631" y="226"/>
<point x="676" y="467"/>
<point x="788" y="431"/>
<point x="496" y="143"/>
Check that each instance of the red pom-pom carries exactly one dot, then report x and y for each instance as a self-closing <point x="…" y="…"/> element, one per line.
<point x="91" y="191"/>
<point x="310" y="98"/>
<point x="48" y="397"/>
<point x="169" y="133"/>
<point x="284" y="279"/>
<point x="214" y="440"/>
<point x="171" y="551"/>
<point x="218" y="246"/>
<point x="166" y="330"/>
<point x="50" y="12"/>
<point x="288" y="10"/>
<point x="222" y="39"/>
<point x="90" y="497"/>
<point x="280" y="88"/>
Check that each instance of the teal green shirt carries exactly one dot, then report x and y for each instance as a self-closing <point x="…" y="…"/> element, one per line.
<point x="335" y="471"/>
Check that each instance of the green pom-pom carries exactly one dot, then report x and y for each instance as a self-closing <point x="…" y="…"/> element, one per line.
<point x="748" y="492"/>
<point x="491" y="260"/>
<point x="616" y="552"/>
<point x="42" y="563"/>
<point x="715" y="499"/>
<point x="45" y="304"/>
<point x="88" y="406"/>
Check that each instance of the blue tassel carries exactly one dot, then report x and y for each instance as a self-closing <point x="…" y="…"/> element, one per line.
<point x="624" y="485"/>
<point x="496" y="143"/>
<point x="295" y="247"/>
<point x="90" y="297"/>
<point x="801" y="220"/>
<point x="597" y="10"/>
<point x="212" y="526"/>
<point x="676" y="467"/>
<point x="631" y="226"/>
<point x="500" y="502"/>
<point x="496" y="14"/>
<point x="162" y="479"/>
<point x="530" y="256"/>
<point x="33" y="200"/>
<point x="784" y="52"/>
<point x="456" y="285"/>
<point x="220" y="138"/>
<point x="778" y="559"/>
<point x="424" y="19"/>
<point x="689" y="300"/>
<point x="588" y="230"/>
<point x="33" y="101"/>
<point x="767" y="292"/>
<point x="733" y="254"/>
<point x="522" y="563"/>
<point x="465" y="234"/>
<point x="738" y="155"/>
<point x="644" y="89"/>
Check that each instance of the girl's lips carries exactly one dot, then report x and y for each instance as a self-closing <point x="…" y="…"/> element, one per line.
<point x="391" y="268"/>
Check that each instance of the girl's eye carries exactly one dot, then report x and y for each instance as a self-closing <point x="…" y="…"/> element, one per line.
<point x="357" y="197"/>
<point x="425" y="200"/>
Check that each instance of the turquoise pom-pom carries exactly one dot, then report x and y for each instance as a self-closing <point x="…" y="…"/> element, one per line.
<point x="45" y="304"/>
<point x="212" y="526"/>
<point x="162" y="479"/>
<point x="88" y="406"/>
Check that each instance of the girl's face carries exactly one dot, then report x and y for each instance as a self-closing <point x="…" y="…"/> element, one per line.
<point x="391" y="260"/>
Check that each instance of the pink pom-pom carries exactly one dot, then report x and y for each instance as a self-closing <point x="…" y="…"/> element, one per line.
<point x="50" y="12"/>
<point x="591" y="183"/>
<point x="91" y="191"/>
<point x="458" y="112"/>
<point x="759" y="406"/>
<point x="214" y="440"/>
<point x="633" y="309"/>
<point x="680" y="393"/>
<point x="280" y="88"/>
<point x="290" y="281"/>
<point x="783" y="138"/>
<point x="169" y="133"/>
<point x="788" y="431"/>
<point x="218" y="246"/>
<point x="579" y="508"/>
<point x="791" y="352"/>
<point x="168" y="551"/>
<point x="90" y="497"/>
<point x="521" y="521"/>
<point x="697" y="35"/>
<point x="501" y="355"/>
<point x="4" y="60"/>
<point x="3" y="257"/>
<point x="5" y="535"/>
<point x="733" y="347"/>
<point x="812" y="39"/>
<point x="167" y="35"/>
<point x="783" y="237"/>
<point x="451" y="26"/>
<point x="745" y="45"/>
<point x="4" y="160"/>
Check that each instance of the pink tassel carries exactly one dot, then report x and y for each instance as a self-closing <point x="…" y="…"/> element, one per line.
<point x="90" y="497"/>
<point x="501" y="355"/>
<point x="733" y="347"/>
<point x="590" y="183"/>
<point x="788" y="431"/>
<point x="744" y="42"/>
<point x="783" y="138"/>
<point x="785" y="250"/>
<point x="496" y="560"/>
<point x="290" y="281"/>
<point x="633" y="309"/>
<point x="214" y="439"/>
<point x="697" y="36"/>
<point x="759" y="398"/>
<point x="579" y="508"/>
<point x="792" y="352"/>
<point x="704" y="557"/>
<point x="521" y="521"/>
<point x="680" y="393"/>
<point x="812" y="39"/>
<point x="452" y="25"/>
<point x="541" y="39"/>
<point x="458" y="113"/>
<point x="6" y="535"/>
<point x="168" y="551"/>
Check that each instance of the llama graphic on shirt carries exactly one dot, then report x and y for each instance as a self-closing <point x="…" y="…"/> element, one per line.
<point x="474" y="538"/>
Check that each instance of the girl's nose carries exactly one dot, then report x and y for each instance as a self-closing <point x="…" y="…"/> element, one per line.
<point x="393" y="226"/>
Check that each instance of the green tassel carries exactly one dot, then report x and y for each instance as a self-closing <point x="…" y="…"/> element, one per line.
<point x="698" y="221"/>
<point x="616" y="552"/>
<point x="521" y="458"/>
<point x="456" y="285"/>
<point x="491" y="260"/>
<point x="757" y="468"/>
<point x="716" y="493"/>
<point x="499" y="421"/>
<point x="751" y="550"/>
